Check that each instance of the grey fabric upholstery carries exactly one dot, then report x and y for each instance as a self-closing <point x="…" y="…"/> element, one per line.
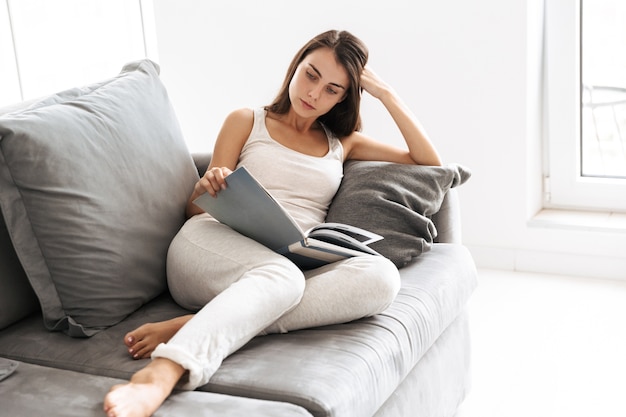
<point x="448" y="219"/>
<point x="41" y="391"/>
<point x="441" y="379"/>
<point x="395" y="201"/>
<point x="17" y="298"/>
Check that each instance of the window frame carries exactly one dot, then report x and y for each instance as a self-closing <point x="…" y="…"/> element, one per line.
<point x="564" y="185"/>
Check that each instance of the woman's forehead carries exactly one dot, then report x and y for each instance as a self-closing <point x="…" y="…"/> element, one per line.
<point x="324" y="62"/>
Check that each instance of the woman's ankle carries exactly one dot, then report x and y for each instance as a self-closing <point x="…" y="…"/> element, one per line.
<point x="160" y="371"/>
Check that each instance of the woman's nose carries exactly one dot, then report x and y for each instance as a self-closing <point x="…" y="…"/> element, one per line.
<point x="315" y="92"/>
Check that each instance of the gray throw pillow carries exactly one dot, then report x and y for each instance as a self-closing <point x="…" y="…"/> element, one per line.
<point x="94" y="183"/>
<point x="396" y="201"/>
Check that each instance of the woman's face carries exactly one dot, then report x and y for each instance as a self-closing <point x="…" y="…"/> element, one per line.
<point x="318" y="84"/>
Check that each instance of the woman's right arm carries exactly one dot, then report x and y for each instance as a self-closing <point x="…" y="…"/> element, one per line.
<point x="228" y="146"/>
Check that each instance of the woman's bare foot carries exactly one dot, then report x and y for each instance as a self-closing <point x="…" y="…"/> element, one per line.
<point x="143" y="340"/>
<point x="145" y="392"/>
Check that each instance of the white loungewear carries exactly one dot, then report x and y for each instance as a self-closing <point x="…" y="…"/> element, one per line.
<point x="241" y="289"/>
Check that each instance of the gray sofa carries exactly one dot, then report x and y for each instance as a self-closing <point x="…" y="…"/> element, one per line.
<point x="93" y="183"/>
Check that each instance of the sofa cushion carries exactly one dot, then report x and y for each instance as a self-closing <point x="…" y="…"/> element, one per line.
<point x="17" y="299"/>
<point x="61" y="393"/>
<point x="395" y="201"/>
<point x="94" y="183"/>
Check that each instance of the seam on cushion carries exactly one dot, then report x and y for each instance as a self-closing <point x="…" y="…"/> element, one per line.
<point x="24" y="264"/>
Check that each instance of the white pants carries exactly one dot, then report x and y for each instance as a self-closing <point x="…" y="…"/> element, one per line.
<point x="241" y="289"/>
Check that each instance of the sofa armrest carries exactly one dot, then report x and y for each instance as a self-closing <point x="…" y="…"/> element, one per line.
<point x="448" y="219"/>
<point x="202" y="161"/>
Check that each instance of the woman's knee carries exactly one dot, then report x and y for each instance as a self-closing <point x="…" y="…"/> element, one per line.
<point x="206" y="257"/>
<point x="283" y="279"/>
<point x="382" y="277"/>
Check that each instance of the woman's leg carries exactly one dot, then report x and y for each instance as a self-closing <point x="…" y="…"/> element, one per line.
<point x="341" y="292"/>
<point x="239" y="286"/>
<point x="336" y="293"/>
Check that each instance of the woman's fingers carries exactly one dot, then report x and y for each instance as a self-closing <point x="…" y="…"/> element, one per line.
<point x="372" y="83"/>
<point x="214" y="180"/>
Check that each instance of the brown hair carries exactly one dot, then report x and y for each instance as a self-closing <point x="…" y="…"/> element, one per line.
<point x="344" y="118"/>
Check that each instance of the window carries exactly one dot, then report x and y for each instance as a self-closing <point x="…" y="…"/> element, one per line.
<point x="603" y="77"/>
<point x="585" y="60"/>
<point x="49" y="46"/>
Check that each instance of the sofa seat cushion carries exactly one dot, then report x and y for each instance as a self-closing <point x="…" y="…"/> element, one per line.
<point x="94" y="183"/>
<point x="62" y="393"/>
<point x="351" y="369"/>
<point x="340" y="370"/>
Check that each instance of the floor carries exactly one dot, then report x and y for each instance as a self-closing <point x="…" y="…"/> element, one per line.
<point x="546" y="345"/>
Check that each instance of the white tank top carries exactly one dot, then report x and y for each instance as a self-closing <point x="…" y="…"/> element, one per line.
<point x="304" y="184"/>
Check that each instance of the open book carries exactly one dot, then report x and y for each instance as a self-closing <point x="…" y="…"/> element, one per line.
<point x="248" y="208"/>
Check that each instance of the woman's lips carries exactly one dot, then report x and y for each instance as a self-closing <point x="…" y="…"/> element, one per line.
<point x="307" y="105"/>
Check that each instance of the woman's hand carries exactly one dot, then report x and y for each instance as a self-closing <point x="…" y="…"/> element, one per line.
<point x="373" y="84"/>
<point x="213" y="181"/>
<point x="420" y="149"/>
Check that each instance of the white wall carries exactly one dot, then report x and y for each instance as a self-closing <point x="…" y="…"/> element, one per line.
<point x="470" y="69"/>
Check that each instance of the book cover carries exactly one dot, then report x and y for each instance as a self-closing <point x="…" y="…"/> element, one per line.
<point x="248" y="208"/>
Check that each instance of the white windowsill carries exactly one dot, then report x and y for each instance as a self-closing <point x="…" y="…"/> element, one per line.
<point x="580" y="220"/>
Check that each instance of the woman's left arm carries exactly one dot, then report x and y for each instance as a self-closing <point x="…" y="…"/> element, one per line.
<point x="421" y="151"/>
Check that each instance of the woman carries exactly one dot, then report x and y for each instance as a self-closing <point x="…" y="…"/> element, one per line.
<point x="296" y="147"/>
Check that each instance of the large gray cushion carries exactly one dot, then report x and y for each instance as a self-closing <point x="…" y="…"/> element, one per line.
<point x="93" y="185"/>
<point x="395" y="201"/>
<point x="17" y="299"/>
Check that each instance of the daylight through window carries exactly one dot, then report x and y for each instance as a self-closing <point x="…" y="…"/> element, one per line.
<point x="603" y="77"/>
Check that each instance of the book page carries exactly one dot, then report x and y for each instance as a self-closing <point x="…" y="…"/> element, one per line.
<point x="364" y="236"/>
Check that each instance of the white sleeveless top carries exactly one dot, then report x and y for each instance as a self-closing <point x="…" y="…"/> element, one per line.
<point x="303" y="184"/>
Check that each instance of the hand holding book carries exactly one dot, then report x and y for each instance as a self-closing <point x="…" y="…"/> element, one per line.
<point x="214" y="180"/>
<point x="248" y="208"/>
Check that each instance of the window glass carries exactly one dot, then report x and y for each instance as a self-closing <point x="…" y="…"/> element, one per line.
<point x="584" y="83"/>
<point x="603" y="76"/>
<point x="9" y="81"/>
<point x="66" y="43"/>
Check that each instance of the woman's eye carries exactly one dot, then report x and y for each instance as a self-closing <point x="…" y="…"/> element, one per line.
<point x="331" y="91"/>
<point x="311" y="75"/>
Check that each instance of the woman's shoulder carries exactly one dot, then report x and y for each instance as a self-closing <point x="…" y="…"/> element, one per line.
<point x="239" y="120"/>
<point x="243" y="115"/>
<point x="351" y="141"/>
